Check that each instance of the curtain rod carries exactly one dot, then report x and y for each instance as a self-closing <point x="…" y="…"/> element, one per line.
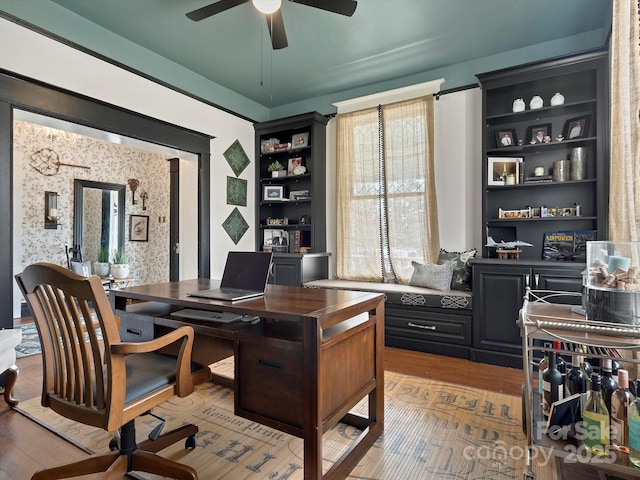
<point x="454" y="90"/>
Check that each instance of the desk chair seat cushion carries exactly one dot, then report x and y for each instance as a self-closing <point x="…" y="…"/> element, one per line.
<point x="147" y="372"/>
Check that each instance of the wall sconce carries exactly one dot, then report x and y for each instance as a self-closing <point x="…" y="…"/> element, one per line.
<point x="51" y="215"/>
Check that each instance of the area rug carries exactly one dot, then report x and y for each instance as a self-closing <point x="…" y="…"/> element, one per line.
<point x="433" y="430"/>
<point x="30" y="344"/>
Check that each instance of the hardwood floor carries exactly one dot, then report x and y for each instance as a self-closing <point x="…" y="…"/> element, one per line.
<point x="25" y="446"/>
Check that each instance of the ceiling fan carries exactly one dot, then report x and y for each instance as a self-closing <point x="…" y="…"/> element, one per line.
<point x="273" y="13"/>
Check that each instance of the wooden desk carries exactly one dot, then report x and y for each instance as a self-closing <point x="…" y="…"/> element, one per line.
<point x="314" y="355"/>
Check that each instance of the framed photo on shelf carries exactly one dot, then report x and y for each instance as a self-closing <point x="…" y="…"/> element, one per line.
<point x="500" y="169"/>
<point x="539" y="133"/>
<point x="577" y="127"/>
<point x="138" y="228"/>
<point x="273" y="192"/>
<point x="506" y="137"/>
<point x="300" y="140"/>
<point x="295" y="166"/>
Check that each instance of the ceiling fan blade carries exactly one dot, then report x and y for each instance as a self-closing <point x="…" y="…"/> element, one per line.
<point x="342" y="7"/>
<point x="214" y="8"/>
<point x="276" y="30"/>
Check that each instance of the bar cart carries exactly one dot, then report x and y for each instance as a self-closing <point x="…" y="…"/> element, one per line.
<point x="548" y="316"/>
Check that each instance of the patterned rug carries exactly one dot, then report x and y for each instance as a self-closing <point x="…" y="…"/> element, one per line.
<point x="30" y="344"/>
<point x="433" y="430"/>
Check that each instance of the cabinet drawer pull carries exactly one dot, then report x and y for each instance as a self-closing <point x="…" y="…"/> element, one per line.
<point x="424" y="327"/>
<point x="134" y="331"/>
<point x="271" y="364"/>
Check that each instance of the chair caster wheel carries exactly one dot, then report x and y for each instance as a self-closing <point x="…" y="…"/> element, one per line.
<point x="113" y="444"/>
<point x="190" y="443"/>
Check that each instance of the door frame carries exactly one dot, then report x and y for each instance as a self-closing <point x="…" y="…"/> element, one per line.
<point x="19" y="92"/>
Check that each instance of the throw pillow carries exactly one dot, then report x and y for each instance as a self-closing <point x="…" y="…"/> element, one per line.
<point x="461" y="262"/>
<point x="433" y="276"/>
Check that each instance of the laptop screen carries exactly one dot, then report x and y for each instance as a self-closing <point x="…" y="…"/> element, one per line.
<point x="246" y="270"/>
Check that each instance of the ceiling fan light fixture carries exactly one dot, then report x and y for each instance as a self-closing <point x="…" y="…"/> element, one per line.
<point x="267" y="6"/>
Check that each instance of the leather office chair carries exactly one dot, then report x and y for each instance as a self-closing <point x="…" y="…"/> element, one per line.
<point x="106" y="384"/>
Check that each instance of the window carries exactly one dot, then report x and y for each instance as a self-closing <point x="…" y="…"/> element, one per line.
<point x="386" y="191"/>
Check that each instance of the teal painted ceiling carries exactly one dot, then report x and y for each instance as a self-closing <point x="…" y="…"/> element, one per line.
<point x="227" y="59"/>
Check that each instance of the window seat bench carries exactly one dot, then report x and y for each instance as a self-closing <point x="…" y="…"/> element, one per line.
<point x="418" y="318"/>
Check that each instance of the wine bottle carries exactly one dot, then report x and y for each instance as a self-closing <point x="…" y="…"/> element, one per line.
<point x="552" y="385"/>
<point x="634" y="432"/>
<point x="577" y="379"/>
<point x="595" y="420"/>
<point x="609" y="382"/>
<point x="620" y="401"/>
<point x="544" y="363"/>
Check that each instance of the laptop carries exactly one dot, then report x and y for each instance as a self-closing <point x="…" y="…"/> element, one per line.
<point x="245" y="276"/>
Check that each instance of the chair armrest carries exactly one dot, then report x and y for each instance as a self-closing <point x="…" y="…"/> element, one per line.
<point x="184" y="381"/>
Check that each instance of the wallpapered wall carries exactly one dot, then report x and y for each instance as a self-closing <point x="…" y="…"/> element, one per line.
<point x="108" y="162"/>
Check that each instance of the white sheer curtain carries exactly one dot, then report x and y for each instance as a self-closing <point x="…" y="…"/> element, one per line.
<point x="624" y="187"/>
<point x="387" y="212"/>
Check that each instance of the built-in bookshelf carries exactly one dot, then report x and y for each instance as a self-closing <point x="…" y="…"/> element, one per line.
<point x="291" y="193"/>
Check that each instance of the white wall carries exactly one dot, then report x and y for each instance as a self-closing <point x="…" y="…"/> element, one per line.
<point x="44" y="59"/>
<point x="458" y="165"/>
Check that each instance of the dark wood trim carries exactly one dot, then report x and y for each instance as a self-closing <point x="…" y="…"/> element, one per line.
<point x="20" y="92"/>
<point x="174" y="218"/>
<point x="6" y="216"/>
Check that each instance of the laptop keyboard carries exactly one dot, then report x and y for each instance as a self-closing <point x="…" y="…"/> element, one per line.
<point x="221" y="317"/>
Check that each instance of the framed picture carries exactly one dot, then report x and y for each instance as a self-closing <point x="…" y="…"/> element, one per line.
<point x="273" y="192"/>
<point x="139" y="228"/>
<point x="503" y="170"/>
<point x="506" y="137"/>
<point x="539" y="134"/>
<point x="577" y="127"/>
<point x="295" y="166"/>
<point x="300" y="140"/>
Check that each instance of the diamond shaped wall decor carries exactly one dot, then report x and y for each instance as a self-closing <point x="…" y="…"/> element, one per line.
<point x="236" y="157"/>
<point x="235" y="225"/>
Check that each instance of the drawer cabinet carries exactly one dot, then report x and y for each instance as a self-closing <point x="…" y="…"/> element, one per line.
<point x="429" y="331"/>
<point x="271" y="381"/>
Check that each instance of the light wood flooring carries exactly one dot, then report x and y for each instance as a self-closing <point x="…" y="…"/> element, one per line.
<point x="25" y="446"/>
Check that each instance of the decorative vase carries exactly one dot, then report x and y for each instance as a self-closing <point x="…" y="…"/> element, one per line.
<point x="557" y="99"/>
<point x="101" y="269"/>
<point x="578" y="159"/>
<point x="518" y="105"/>
<point x="536" y="102"/>
<point x="119" y="270"/>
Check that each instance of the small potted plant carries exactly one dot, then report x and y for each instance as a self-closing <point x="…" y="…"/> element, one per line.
<point x="101" y="267"/>
<point x="119" y="267"/>
<point x="277" y="170"/>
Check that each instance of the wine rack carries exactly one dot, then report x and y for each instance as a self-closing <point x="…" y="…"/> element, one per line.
<point x="543" y="319"/>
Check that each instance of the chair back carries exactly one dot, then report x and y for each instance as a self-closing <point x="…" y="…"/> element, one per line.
<point x="71" y="313"/>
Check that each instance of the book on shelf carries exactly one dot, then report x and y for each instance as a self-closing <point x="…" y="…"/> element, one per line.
<point x="539" y="179"/>
<point x="300" y="241"/>
<point x="567" y="245"/>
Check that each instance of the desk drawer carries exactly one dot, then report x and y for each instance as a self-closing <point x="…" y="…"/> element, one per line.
<point x="135" y="327"/>
<point x="415" y="324"/>
<point x="270" y="381"/>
